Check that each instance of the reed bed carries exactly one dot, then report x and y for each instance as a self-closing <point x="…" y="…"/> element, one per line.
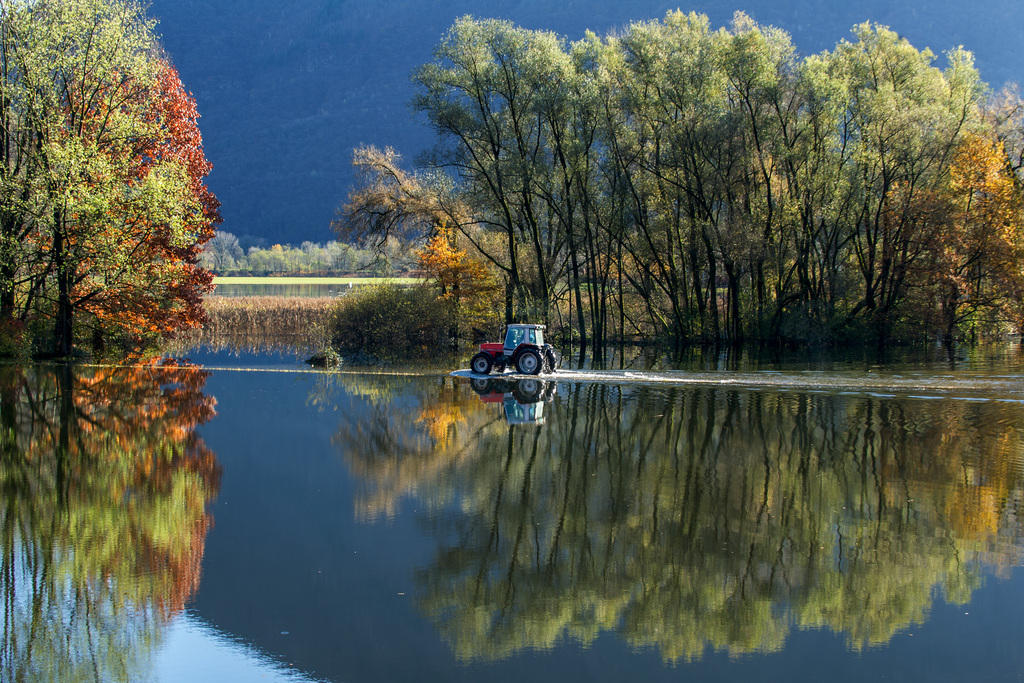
<point x="263" y="323"/>
<point x="284" y="315"/>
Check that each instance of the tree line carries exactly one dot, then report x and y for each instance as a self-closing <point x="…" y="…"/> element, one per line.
<point x="103" y="206"/>
<point x="224" y="255"/>
<point x="675" y="181"/>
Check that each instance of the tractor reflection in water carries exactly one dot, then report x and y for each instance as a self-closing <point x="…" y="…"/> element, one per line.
<point x="523" y="400"/>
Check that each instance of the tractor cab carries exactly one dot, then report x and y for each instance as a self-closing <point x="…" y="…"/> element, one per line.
<point x="517" y="334"/>
<point x="517" y="413"/>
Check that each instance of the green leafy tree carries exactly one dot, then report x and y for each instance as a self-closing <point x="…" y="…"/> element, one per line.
<point x="103" y="174"/>
<point x="691" y="184"/>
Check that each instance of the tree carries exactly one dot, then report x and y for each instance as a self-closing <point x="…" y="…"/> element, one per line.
<point x="389" y="202"/>
<point x="480" y="93"/>
<point x="105" y="181"/>
<point x="222" y="252"/>
<point x="148" y="277"/>
<point x="975" y="264"/>
<point x="464" y="283"/>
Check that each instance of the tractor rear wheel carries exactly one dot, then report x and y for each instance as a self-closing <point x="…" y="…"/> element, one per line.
<point x="528" y="390"/>
<point x="481" y="363"/>
<point x="528" y="362"/>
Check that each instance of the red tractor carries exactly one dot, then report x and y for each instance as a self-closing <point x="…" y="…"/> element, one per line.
<point x="524" y="349"/>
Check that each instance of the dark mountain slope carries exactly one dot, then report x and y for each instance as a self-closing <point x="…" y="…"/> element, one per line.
<point x="287" y="89"/>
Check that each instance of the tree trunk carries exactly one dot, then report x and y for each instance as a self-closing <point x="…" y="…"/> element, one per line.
<point x="7" y="274"/>
<point x="735" y="323"/>
<point x="510" y="293"/>
<point x="63" y="333"/>
<point x="580" y="313"/>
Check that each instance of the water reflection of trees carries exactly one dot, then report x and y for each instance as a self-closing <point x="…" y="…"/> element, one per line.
<point x="694" y="518"/>
<point x="105" y="488"/>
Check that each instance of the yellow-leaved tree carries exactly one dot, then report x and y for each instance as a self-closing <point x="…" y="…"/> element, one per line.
<point x="978" y="255"/>
<point x="464" y="283"/>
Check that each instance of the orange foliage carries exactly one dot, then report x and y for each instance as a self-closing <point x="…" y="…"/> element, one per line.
<point x="156" y="285"/>
<point x="463" y="281"/>
<point x="976" y="256"/>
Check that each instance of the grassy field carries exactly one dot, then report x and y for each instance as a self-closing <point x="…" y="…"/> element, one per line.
<point x="298" y="280"/>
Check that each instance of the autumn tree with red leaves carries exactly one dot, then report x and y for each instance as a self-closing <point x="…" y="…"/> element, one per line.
<point x="159" y="284"/>
<point x="103" y="168"/>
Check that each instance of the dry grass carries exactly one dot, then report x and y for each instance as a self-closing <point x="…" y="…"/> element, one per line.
<point x="286" y="315"/>
<point x="263" y="322"/>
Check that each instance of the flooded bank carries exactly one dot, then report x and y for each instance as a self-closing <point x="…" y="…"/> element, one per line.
<point x="403" y="524"/>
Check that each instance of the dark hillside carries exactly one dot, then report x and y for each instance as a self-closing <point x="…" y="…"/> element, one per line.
<point x="287" y="89"/>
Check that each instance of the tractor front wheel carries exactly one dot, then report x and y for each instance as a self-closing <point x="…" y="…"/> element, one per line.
<point x="529" y="362"/>
<point x="551" y="360"/>
<point x="481" y="364"/>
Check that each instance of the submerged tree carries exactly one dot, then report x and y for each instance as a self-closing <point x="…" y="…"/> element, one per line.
<point x="677" y="181"/>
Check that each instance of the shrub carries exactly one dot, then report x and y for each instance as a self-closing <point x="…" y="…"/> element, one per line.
<point x="13" y="339"/>
<point x="389" y="320"/>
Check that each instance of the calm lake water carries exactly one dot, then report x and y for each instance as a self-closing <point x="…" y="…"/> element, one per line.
<point x="256" y="521"/>
<point x="289" y="290"/>
<point x="295" y="289"/>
